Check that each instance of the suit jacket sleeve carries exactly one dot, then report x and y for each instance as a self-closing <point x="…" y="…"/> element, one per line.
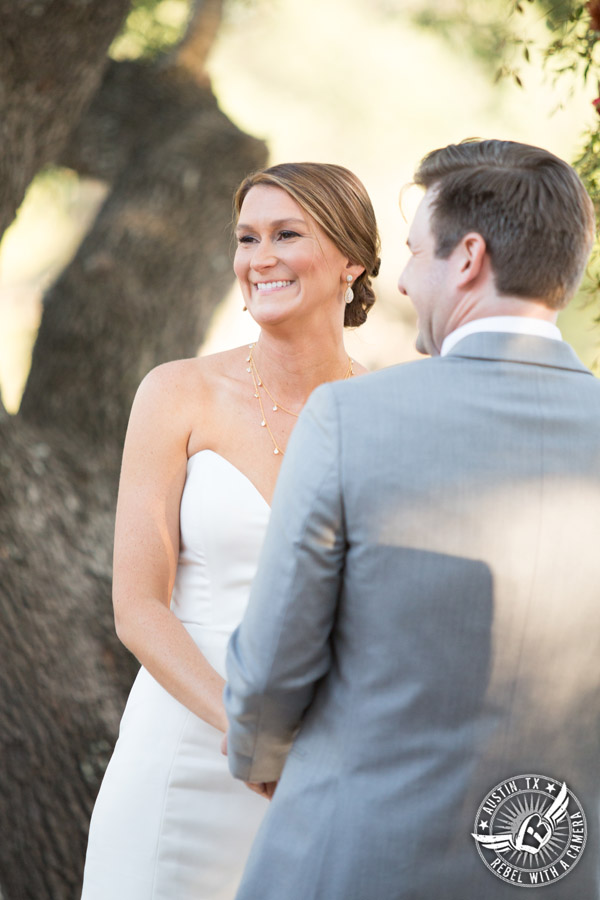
<point x="282" y="649"/>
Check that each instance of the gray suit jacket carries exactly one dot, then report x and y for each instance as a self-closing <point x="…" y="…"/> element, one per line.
<point x="424" y="624"/>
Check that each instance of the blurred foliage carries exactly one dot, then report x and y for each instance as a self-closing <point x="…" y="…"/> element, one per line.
<point x="483" y="30"/>
<point x="491" y="31"/>
<point x="151" y="28"/>
<point x="573" y="47"/>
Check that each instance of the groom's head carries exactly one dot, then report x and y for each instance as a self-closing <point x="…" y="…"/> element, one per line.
<point x="510" y="213"/>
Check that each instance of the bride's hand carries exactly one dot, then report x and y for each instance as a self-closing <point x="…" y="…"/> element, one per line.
<point x="266" y="789"/>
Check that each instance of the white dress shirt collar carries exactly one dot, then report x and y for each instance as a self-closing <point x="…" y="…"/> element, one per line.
<point x="507" y="324"/>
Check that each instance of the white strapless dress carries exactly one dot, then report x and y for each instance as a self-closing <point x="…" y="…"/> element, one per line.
<point x="170" y="823"/>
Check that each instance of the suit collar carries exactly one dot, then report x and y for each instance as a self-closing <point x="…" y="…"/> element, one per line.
<point x="521" y="348"/>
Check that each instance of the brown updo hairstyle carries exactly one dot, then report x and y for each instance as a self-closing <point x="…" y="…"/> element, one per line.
<point x="338" y="201"/>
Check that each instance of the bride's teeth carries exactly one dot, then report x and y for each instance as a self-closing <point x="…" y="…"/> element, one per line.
<point x="271" y="285"/>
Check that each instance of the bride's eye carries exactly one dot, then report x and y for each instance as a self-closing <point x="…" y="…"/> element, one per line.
<point x="244" y="238"/>
<point x="288" y="234"/>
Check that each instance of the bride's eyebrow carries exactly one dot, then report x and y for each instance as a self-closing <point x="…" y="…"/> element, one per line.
<point x="277" y="223"/>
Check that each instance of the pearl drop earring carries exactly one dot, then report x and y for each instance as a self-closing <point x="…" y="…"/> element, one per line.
<point x="349" y="295"/>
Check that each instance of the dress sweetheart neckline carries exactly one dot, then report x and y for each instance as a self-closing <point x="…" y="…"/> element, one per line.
<point x="235" y="468"/>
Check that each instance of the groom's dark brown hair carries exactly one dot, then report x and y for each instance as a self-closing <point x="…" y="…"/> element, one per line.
<point x="529" y="206"/>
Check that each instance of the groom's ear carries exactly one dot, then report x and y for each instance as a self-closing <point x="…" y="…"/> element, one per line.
<point x="469" y="258"/>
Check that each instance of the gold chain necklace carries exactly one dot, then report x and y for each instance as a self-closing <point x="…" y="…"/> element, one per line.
<point x="259" y="383"/>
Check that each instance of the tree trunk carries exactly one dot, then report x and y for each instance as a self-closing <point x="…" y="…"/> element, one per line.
<point x="52" y="56"/>
<point x="144" y="283"/>
<point x="140" y="291"/>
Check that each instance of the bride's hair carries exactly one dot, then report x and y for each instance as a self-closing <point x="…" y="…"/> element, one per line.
<point x="338" y="201"/>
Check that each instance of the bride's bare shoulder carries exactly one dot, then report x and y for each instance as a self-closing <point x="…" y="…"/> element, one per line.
<point x="180" y="401"/>
<point x="176" y="381"/>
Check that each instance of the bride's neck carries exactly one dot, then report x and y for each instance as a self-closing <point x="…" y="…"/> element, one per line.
<point x="297" y="365"/>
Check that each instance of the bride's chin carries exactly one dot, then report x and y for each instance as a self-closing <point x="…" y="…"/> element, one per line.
<point x="275" y="316"/>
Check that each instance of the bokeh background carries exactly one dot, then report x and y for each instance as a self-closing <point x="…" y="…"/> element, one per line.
<point x="369" y="84"/>
<point x="119" y="258"/>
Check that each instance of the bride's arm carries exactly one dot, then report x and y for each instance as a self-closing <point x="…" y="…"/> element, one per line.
<point x="147" y="545"/>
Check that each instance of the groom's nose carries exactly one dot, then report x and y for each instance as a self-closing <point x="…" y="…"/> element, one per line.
<point x="401" y="285"/>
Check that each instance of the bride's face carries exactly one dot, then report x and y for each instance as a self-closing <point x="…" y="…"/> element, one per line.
<point x="285" y="262"/>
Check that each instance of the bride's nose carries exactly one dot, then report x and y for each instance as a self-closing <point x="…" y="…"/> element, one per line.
<point x="263" y="256"/>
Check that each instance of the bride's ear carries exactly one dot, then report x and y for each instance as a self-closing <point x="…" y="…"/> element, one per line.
<point x="352" y="269"/>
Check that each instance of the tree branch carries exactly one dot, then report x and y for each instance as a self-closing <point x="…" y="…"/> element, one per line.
<point x="192" y="52"/>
